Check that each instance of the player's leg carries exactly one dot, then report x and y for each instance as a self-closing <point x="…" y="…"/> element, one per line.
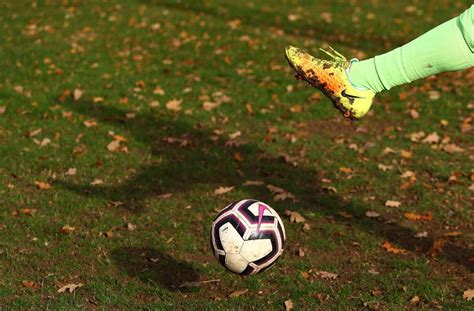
<point x="351" y="85"/>
<point x="448" y="47"/>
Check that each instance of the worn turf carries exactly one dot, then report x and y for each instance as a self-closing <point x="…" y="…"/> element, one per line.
<point x="119" y="119"/>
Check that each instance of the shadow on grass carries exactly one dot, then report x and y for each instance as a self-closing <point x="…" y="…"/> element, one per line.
<point x="152" y="266"/>
<point x="184" y="157"/>
<point x="269" y="18"/>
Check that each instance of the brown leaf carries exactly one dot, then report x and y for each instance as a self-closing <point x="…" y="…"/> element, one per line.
<point x="238" y="157"/>
<point x="238" y="293"/>
<point x="174" y="105"/>
<point x="275" y="189"/>
<point x="432" y="138"/>
<point x="67" y="229"/>
<point x="30" y="284"/>
<point x="71" y="172"/>
<point x="96" y="182"/>
<point x="235" y="135"/>
<point x="346" y="170"/>
<point x="295" y="216"/>
<point x="165" y="195"/>
<point x="288" y="305"/>
<point x="392" y="249"/>
<point x="414" y="217"/>
<point x="42" y="185"/>
<point x="77" y="94"/>
<point x="208" y="106"/>
<point x="69" y="288"/>
<point x="452" y="234"/>
<point x="28" y="211"/>
<point x="415" y="300"/>
<point x="468" y="294"/>
<point x="34" y="132"/>
<point x="420" y="235"/>
<point x="372" y="214"/>
<point x="222" y="190"/>
<point x="414" y="114"/>
<point x="284" y="196"/>
<point x="406" y="154"/>
<point x="384" y="168"/>
<point x="89" y="123"/>
<point x="113" y="145"/>
<point x="3" y="109"/>
<point x="437" y="247"/>
<point x="391" y="203"/>
<point x="452" y="148"/>
<point x="326" y="275"/>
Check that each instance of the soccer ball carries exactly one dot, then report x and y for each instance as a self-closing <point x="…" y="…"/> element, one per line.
<point x="247" y="237"/>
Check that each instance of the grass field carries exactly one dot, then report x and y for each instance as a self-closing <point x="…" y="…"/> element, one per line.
<point x="119" y="120"/>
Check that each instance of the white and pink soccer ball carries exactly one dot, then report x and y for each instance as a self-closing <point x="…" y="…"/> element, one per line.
<point x="247" y="237"/>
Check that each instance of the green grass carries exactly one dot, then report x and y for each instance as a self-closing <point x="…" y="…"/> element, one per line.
<point x="108" y="49"/>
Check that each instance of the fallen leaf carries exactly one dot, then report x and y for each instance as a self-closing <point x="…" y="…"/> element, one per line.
<point x="392" y="249"/>
<point x="222" y="190"/>
<point x="414" y="217"/>
<point x="416" y="137"/>
<point x="432" y="138"/>
<point x="34" y="132"/>
<point x="131" y="227"/>
<point x="406" y="154"/>
<point x="437" y="247"/>
<point x="468" y="294"/>
<point x="3" y="109"/>
<point x="415" y="300"/>
<point x="420" y="235"/>
<point x="174" y="105"/>
<point x="452" y="234"/>
<point x="69" y="288"/>
<point x="384" y="168"/>
<point x="97" y="182"/>
<point x="346" y="170"/>
<point x="288" y="305"/>
<point x="18" y="89"/>
<point x="71" y="172"/>
<point x="30" y="284"/>
<point x="235" y="135"/>
<point x="452" y="148"/>
<point x="208" y="106"/>
<point x="28" y="211"/>
<point x="238" y="293"/>
<point x="44" y="142"/>
<point x="372" y="214"/>
<point x="113" y="145"/>
<point x="42" y="185"/>
<point x="67" y="229"/>
<point x="326" y="275"/>
<point x="295" y="216"/>
<point x="165" y="195"/>
<point x="284" y="196"/>
<point x="408" y="174"/>
<point x="275" y="189"/>
<point x="391" y="203"/>
<point x="414" y="114"/>
<point x="77" y="94"/>
<point x="97" y="99"/>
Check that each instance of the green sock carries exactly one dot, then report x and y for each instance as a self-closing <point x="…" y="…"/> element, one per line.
<point x="448" y="47"/>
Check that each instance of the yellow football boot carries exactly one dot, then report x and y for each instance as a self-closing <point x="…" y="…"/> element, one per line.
<point x="331" y="77"/>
